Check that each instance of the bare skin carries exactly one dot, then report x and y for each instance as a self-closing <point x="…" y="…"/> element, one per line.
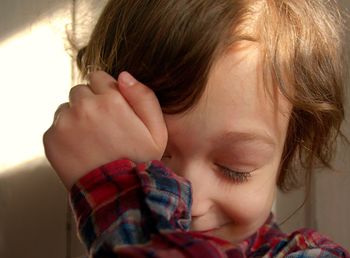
<point x="105" y="121"/>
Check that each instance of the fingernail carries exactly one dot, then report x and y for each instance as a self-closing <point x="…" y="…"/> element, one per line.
<point x="127" y="79"/>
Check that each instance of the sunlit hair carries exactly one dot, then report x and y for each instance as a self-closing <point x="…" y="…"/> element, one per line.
<point x="171" y="46"/>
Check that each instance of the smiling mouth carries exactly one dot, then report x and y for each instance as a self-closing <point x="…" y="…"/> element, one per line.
<point x="209" y="223"/>
<point x="205" y="230"/>
<point x="209" y="230"/>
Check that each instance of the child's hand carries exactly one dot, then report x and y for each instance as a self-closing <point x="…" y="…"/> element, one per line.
<point x="101" y="124"/>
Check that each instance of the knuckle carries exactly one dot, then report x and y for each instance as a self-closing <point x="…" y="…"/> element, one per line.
<point x="97" y="76"/>
<point x="46" y="136"/>
<point x="82" y="108"/>
<point x="113" y="100"/>
<point x="89" y="109"/>
<point x="111" y="105"/>
<point x="80" y="103"/>
<point x="76" y="88"/>
<point x="111" y="83"/>
<point x="60" y="109"/>
<point x="77" y="92"/>
<point x="60" y="126"/>
<point x="92" y="75"/>
<point x="97" y="73"/>
<point x="50" y="137"/>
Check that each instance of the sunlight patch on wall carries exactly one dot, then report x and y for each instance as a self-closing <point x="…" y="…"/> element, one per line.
<point x="35" y="79"/>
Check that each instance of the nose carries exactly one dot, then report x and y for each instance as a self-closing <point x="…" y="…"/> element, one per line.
<point x="202" y="188"/>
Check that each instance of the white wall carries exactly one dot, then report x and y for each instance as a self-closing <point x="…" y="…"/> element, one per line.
<point x="35" y="77"/>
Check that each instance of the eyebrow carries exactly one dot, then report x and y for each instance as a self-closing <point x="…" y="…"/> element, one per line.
<point x="247" y="136"/>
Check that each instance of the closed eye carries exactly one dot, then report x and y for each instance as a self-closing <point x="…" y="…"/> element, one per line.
<point x="237" y="177"/>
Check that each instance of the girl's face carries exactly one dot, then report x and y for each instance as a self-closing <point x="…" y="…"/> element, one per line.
<point x="229" y="147"/>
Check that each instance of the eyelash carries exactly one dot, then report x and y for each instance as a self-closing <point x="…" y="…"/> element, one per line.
<point x="235" y="176"/>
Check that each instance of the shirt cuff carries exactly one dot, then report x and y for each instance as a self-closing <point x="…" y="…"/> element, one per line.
<point x="125" y="203"/>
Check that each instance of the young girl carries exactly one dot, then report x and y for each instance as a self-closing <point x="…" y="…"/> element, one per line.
<point x="222" y="101"/>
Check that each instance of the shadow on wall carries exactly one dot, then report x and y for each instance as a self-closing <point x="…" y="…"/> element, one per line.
<point x="33" y="214"/>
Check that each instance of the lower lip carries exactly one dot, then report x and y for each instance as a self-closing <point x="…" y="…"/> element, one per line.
<point x="213" y="229"/>
<point x="207" y="230"/>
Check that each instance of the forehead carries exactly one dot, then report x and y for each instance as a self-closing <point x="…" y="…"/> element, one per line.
<point x="240" y="89"/>
<point x="237" y="98"/>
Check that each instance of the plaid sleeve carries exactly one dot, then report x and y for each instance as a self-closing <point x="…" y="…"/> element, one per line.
<point x="122" y="203"/>
<point x="310" y="243"/>
<point x="299" y="244"/>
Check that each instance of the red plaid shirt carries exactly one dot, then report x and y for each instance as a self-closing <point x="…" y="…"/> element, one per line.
<point x="128" y="210"/>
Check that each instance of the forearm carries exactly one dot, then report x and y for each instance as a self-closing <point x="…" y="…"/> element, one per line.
<point x="122" y="204"/>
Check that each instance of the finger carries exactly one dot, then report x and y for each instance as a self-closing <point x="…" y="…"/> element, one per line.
<point x="146" y="106"/>
<point x="101" y="82"/>
<point x="93" y="68"/>
<point x="59" y="110"/>
<point x="79" y="92"/>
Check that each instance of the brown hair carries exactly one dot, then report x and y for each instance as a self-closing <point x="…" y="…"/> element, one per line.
<point x="171" y="45"/>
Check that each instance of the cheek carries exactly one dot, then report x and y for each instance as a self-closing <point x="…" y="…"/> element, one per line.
<point x="252" y="202"/>
<point x="248" y="204"/>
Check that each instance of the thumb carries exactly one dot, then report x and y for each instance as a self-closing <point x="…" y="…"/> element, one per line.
<point x="146" y="106"/>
